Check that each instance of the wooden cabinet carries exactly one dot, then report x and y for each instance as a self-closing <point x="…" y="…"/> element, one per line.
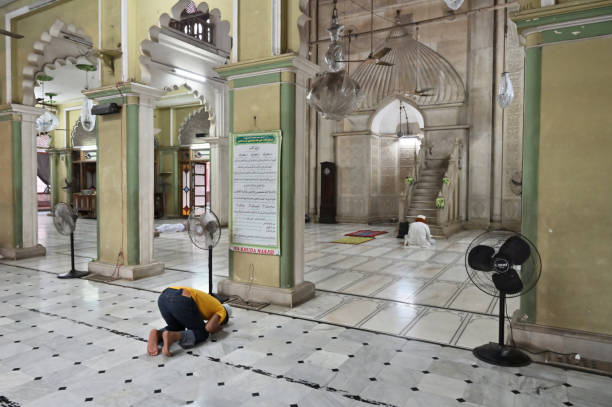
<point x="84" y="167"/>
<point x="85" y="205"/>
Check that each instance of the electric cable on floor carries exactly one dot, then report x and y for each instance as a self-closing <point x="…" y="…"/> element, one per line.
<point x="531" y="351"/>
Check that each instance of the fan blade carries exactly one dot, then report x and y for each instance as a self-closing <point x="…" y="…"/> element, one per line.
<point x="380" y="53"/>
<point x="508" y="282"/>
<point x="383" y="63"/>
<point x="481" y="258"/>
<point x="11" y="34"/>
<point x="211" y="227"/>
<point x="515" y="250"/>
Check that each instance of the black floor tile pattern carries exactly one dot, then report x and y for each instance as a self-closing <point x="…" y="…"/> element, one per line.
<point x="66" y="315"/>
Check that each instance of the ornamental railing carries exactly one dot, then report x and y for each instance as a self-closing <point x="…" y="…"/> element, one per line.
<point x="447" y="201"/>
<point x="196" y="26"/>
<point x="410" y="181"/>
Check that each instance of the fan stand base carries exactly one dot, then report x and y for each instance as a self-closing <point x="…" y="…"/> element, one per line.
<point x="73" y="274"/>
<point x="501" y="355"/>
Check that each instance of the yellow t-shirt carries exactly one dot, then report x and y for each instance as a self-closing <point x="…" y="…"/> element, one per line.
<point x="206" y="303"/>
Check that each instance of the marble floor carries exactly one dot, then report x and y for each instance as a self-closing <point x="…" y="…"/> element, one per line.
<point x="388" y="327"/>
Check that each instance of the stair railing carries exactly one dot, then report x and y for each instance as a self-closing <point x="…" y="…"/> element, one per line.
<point x="447" y="201"/>
<point x="410" y="182"/>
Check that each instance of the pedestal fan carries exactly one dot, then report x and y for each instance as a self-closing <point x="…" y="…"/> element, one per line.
<point x="205" y="231"/>
<point x="502" y="264"/>
<point x="64" y="219"/>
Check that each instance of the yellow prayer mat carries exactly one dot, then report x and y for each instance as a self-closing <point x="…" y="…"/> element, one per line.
<point x="353" y="240"/>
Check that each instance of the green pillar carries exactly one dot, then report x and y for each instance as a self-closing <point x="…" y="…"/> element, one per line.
<point x="53" y="158"/>
<point x="125" y="182"/>
<point x="531" y="146"/>
<point x="287" y="184"/>
<point x="17" y="185"/>
<point x="269" y="95"/>
<point x="18" y="200"/>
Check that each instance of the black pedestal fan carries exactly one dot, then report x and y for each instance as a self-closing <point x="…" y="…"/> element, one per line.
<point x="205" y="232"/>
<point x="64" y="219"/>
<point x="503" y="264"/>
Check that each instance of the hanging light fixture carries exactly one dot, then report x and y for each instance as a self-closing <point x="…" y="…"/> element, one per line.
<point x="88" y="120"/>
<point x="47" y="121"/>
<point x="505" y="94"/>
<point x="334" y="94"/>
<point x="454" y="4"/>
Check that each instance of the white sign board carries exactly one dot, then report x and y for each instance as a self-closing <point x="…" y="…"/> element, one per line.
<point x="255" y="193"/>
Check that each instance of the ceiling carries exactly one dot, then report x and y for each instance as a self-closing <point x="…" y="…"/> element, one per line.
<point x="68" y="82"/>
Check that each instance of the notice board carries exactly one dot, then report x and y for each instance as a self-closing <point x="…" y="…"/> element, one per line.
<point x="255" y="192"/>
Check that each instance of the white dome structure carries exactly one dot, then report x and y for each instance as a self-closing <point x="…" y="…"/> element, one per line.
<point x="418" y="73"/>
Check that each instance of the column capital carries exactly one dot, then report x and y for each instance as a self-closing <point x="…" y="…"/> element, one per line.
<point x="123" y="90"/>
<point x="21" y="110"/>
<point x="281" y="63"/>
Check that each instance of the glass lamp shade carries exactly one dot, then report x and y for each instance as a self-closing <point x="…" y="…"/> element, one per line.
<point x="47" y="122"/>
<point x="454" y="4"/>
<point x="88" y="120"/>
<point x="505" y="95"/>
<point x="335" y="95"/>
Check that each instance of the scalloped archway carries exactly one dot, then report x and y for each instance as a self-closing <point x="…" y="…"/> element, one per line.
<point x="50" y="51"/>
<point x="170" y="59"/>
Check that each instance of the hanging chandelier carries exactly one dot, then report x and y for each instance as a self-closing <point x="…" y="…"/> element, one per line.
<point x="46" y="122"/>
<point x="88" y="120"/>
<point x="333" y="93"/>
<point x="505" y="94"/>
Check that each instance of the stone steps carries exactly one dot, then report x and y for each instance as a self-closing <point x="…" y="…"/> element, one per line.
<point x="424" y="197"/>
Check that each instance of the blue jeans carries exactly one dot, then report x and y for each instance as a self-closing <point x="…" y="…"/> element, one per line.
<point x="182" y="315"/>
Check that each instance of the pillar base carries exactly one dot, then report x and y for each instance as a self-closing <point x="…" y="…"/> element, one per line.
<point x="590" y="345"/>
<point x="134" y="272"/>
<point x="288" y="297"/>
<point x="23" y="253"/>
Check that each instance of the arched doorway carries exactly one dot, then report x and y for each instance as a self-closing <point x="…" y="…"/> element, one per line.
<point x="182" y="52"/>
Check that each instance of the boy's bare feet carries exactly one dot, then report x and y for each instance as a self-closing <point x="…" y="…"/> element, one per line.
<point x="169" y="337"/>
<point x="154" y="338"/>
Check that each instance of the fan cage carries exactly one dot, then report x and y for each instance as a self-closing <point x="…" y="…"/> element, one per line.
<point x="529" y="272"/>
<point x="64" y="218"/>
<point x="198" y="218"/>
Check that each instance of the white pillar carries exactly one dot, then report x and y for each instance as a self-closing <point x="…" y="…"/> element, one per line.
<point x="29" y="168"/>
<point x="146" y="171"/>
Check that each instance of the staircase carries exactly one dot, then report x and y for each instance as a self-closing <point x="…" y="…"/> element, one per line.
<point x="424" y="196"/>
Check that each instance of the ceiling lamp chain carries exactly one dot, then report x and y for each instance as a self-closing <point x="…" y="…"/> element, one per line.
<point x="505" y="93"/>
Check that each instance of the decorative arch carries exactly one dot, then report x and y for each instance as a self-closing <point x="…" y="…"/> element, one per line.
<point x="171" y="59"/>
<point x="50" y="51"/>
<point x="186" y="133"/>
<point x="388" y="112"/>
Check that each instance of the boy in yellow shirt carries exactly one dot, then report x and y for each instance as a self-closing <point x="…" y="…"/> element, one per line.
<point x="185" y="311"/>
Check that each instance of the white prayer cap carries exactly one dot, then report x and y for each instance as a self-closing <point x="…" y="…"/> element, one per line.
<point x="421" y="217"/>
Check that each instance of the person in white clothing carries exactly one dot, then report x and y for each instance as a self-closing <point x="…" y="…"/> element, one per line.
<point x="419" y="234"/>
<point x="172" y="227"/>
